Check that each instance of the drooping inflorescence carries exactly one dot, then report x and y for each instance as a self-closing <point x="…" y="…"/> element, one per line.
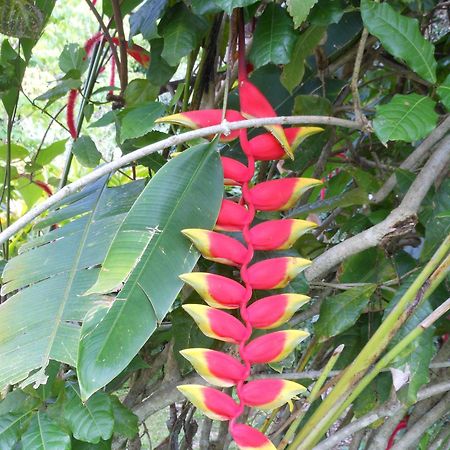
<point x="222" y="293"/>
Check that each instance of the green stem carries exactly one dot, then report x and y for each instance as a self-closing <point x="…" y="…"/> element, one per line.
<point x="312" y="396"/>
<point x="330" y="408"/>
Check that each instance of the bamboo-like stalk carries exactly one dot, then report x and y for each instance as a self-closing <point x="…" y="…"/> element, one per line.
<point x="331" y="407"/>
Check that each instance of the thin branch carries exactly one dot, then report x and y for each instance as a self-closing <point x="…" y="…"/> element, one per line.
<point x="373" y="416"/>
<point x="123" y="68"/>
<point x="414" y="159"/>
<point x="405" y="212"/>
<point x="359" y="115"/>
<point x="224" y="127"/>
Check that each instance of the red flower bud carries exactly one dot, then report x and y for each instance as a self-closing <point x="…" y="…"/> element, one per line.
<point x="234" y="172"/>
<point x="232" y="217"/>
<point x="248" y="438"/>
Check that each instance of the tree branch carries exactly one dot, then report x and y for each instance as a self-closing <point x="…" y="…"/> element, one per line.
<point x="383" y="411"/>
<point x="223" y="128"/>
<point x="406" y="211"/>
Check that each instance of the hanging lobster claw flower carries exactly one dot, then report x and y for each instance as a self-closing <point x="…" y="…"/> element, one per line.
<point x="270" y="393"/>
<point x="279" y="234"/>
<point x="265" y="147"/>
<point x="248" y="438"/>
<point x="137" y="52"/>
<point x="275" y="272"/>
<point x="216" y="290"/>
<point x="273" y="347"/>
<point x="205" y="118"/>
<point x="213" y="403"/>
<point x="234" y="172"/>
<point x="217" y="324"/>
<point x="273" y="311"/>
<point x="232" y="217"/>
<point x="254" y="104"/>
<point x="215" y="367"/>
<point x="217" y="247"/>
<point x="282" y="194"/>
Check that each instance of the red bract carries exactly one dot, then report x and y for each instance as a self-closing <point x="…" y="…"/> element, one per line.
<point x="137" y="52"/>
<point x="222" y="292"/>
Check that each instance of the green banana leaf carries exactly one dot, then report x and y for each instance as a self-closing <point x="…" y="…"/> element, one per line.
<point x="148" y="254"/>
<point x="41" y="321"/>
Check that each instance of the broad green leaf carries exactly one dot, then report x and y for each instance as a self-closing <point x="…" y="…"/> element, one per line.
<point x="61" y="89"/>
<point x="139" y="92"/>
<point x="125" y="422"/>
<point x="44" y="434"/>
<point x="274" y="37"/>
<point x="340" y="312"/>
<point x="73" y="60"/>
<point x="10" y="430"/>
<point x="48" y="154"/>
<point x="144" y="19"/>
<point x="41" y="318"/>
<point x="444" y="92"/>
<point x="136" y="122"/>
<point x="18" y="402"/>
<point x="304" y="46"/>
<point x="299" y="10"/>
<point x="106" y="119"/>
<point x="312" y="104"/>
<point x="80" y="445"/>
<point x="147" y="254"/>
<point x="86" y="152"/>
<point x="17" y="152"/>
<point x="401" y="37"/>
<point x="159" y="71"/>
<point x="405" y="118"/>
<point x="20" y="19"/>
<point x="182" y="31"/>
<point x="326" y="12"/>
<point x="229" y="5"/>
<point x="89" y="421"/>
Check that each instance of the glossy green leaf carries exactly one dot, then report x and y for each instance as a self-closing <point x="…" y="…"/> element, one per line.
<point x="73" y="60"/>
<point x="299" y="10"/>
<point x="20" y="19"/>
<point x="401" y="37"/>
<point x="61" y="89"/>
<point x="159" y="71"/>
<point x="405" y="118"/>
<point x="274" y="37"/>
<point x="86" y="152"/>
<point x="304" y="46"/>
<point x="182" y="31"/>
<point x="47" y="154"/>
<point x="144" y="19"/>
<point x="229" y="5"/>
<point x="326" y="12"/>
<point x="107" y="119"/>
<point x="80" y="445"/>
<point x="136" y="122"/>
<point x="148" y="253"/>
<point x="139" y="92"/>
<point x="40" y="321"/>
<point x="17" y="152"/>
<point x="125" y="422"/>
<point x="444" y="92"/>
<point x="89" y="421"/>
<point x="10" y="430"/>
<point x="346" y="306"/>
<point x="44" y="434"/>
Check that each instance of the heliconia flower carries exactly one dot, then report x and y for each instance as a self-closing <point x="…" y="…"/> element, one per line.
<point x="273" y="347"/>
<point x="213" y="403"/>
<point x="234" y="172"/>
<point x="254" y="104"/>
<point x="216" y="324"/>
<point x="215" y="367"/>
<point x="204" y="118"/>
<point x="216" y="246"/>
<point x="273" y="311"/>
<point x="216" y="290"/>
<point x="279" y="234"/>
<point x="232" y="217"/>
<point x="270" y="393"/>
<point x="248" y="438"/>
<point x="140" y="54"/>
<point x="275" y="272"/>
<point x="266" y="147"/>
<point x="282" y="194"/>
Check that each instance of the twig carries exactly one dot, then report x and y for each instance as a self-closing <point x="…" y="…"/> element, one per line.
<point x="373" y="236"/>
<point x="414" y="159"/>
<point x="123" y="68"/>
<point x="171" y="141"/>
<point x="384" y="411"/>
<point x="359" y="115"/>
